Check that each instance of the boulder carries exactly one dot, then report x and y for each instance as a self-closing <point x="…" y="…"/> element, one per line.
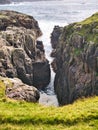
<point x="16" y="89"/>
<point x="76" y="61"/>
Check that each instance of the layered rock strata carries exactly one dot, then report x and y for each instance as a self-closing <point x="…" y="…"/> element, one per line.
<point x="76" y="60"/>
<point x="20" y="52"/>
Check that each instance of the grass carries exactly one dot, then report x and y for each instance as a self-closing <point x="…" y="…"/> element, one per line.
<point x="87" y="28"/>
<point x="90" y="20"/>
<point x="18" y="115"/>
<point x="90" y="28"/>
<point x="82" y="115"/>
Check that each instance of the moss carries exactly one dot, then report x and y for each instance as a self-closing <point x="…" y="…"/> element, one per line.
<point x="87" y="28"/>
<point x="4" y="82"/>
<point x="67" y="31"/>
<point x="77" y="51"/>
<point x="2" y="89"/>
<point x="96" y="73"/>
<point x="91" y="20"/>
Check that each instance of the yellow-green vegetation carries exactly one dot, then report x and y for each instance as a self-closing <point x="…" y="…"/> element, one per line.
<point x="93" y="18"/>
<point x="18" y="115"/>
<point x="77" y="51"/>
<point x="2" y="89"/>
<point x="88" y="28"/>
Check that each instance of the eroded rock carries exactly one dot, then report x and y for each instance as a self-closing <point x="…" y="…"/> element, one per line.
<point x="16" y="89"/>
<point x="76" y="61"/>
<point x="20" y="50"/>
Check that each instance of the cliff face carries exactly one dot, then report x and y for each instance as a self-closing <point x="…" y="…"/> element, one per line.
<point x="20" y="50"/>
<point x="76" y="61"/>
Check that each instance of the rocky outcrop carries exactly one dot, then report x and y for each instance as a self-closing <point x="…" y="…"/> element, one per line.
<point x="20" y="50"/>
<point x="5" y="1"/>
<point x="55" y="36"/>
<point x="16" y="89"/>
<point x="40" y="69"/>
<point x="76" y="61"/>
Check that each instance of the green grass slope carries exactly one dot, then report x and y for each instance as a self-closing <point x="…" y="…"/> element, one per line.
<point x="18" y="115"/>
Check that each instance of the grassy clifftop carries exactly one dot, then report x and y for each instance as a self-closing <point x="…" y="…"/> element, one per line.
<point x="87" y="28"/>
<point x="18" y="115"/>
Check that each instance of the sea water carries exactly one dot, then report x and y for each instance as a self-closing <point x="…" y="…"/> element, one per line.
<point x="48" y="14"/>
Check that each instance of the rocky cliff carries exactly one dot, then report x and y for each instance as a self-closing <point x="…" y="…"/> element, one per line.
<point x="21" y="55"/>
<point x="76" y="60"/>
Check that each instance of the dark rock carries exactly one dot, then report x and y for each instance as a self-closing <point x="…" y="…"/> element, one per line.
<point x="41" y="77"/>
<point x="55" y="36"/>
<point x="40" y="46"/>
<point x="54" y="65"/>
<point x="53" y="53"/>
<point x="76" y="61"/>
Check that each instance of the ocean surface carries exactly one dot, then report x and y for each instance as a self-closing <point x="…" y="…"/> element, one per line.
<point x="51" y="13"/>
